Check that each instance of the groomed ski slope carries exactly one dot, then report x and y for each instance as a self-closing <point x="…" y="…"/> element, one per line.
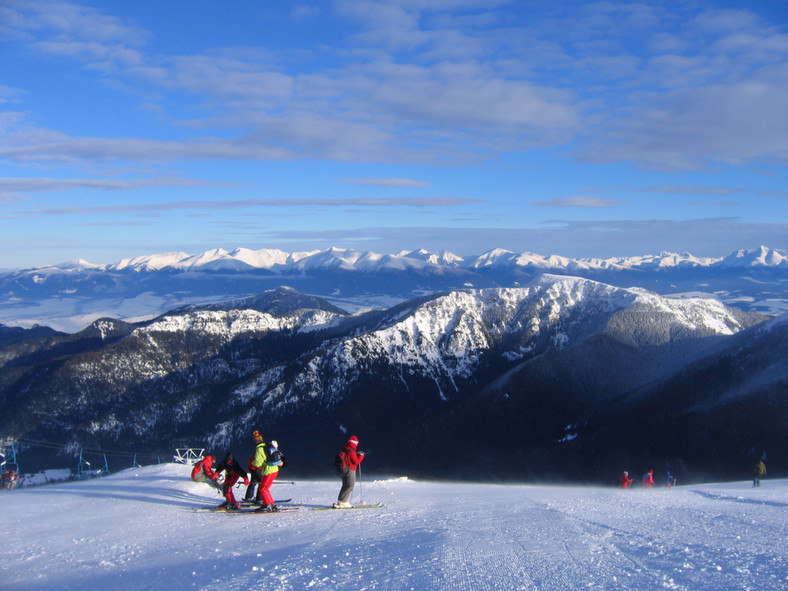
<point x="136" y="530"/>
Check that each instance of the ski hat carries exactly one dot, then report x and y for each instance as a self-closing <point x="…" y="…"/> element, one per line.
<point x="275" y="443"/>
<point x="353" y="441"/>
<point x="257" y="436"/>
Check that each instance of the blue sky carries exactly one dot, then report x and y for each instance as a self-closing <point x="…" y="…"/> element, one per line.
<point x="572" y="128"/>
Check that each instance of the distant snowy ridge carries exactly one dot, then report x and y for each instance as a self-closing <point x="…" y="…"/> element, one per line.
<point x="72" y="295"/>
<point x="348" y="259"/>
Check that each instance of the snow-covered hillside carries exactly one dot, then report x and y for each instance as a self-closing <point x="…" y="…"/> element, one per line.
<point x="447" y="337"/>
<point x="137" y="530"/>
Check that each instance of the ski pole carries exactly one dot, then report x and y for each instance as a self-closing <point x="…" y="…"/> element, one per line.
<point x="360" y="488"/>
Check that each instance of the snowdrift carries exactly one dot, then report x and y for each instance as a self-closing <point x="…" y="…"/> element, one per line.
<point x="137" y="530"/>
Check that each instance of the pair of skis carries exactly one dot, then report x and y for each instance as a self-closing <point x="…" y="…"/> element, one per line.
<point x="247" y="509"/>
<point x="244" y="510"/>
<point x="364" y="506"/>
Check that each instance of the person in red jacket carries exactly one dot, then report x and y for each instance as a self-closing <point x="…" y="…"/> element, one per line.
<point x="648" y="479"/>
<point x="352" y="459"/>
<point x="625" y="480"/>
<point x="233" y="471"/>
<point x="203" y="471"/>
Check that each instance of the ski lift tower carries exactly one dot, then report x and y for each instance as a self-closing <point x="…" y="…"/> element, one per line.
<point x="8" y="462"/>
<point x="188" y="456"/>
<point x="84" y="470"/>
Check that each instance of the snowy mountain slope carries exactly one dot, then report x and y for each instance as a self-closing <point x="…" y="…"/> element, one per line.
<point x="446" y="337"/>
<point x="72" y="295"/>
<point x="731" y="403"/>
<point x="137" y="528"/>
<point x="544" y="355"/>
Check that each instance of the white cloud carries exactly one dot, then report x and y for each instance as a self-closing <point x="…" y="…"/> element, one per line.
<point x="392" y="182"/>
<point x="735" y="123"/>
<point x="251" y="204"/>
<point x="415" y="81"/>
<point x="72" y="30"/>
<point x="43" y="184"/>
<point x="600" y="238"/>
<point x="580" y="201"/>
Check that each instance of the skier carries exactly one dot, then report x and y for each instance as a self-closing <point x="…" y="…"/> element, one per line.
<point x="270" y="470"/>
<point x="758" y="472"/>
<point x="648" y="479"/>
<point x="625" y="480"/>
<point x="351" y="461"/>
<point x="233" y="472"/>
<point x="203" y="471"/>
<point x="255" y="464"/>
<point x="670" y="481"/>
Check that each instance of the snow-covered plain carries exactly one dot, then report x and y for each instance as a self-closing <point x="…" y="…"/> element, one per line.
<point x="136" y="530"/>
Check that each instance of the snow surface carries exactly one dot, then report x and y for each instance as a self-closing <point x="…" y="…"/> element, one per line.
<point x="137" y="530"/>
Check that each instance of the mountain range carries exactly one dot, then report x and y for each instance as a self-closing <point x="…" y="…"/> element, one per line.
<point x="70" y="296"/>
<point x="559" y="377"/>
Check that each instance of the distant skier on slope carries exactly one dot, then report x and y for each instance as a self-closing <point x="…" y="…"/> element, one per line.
<point x="648" y="479"/>
<point x="670" y="480"/>
<point x="9" y="479"/>
<point x="233" y="472"/>
<point x="625" y="480"/>
<point x="347" y="462"/>
<point x="758" y="472"/>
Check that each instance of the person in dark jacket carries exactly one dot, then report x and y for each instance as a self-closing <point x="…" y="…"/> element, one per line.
<point x="256" y="469"/>
<point x="758" y="472"/>
<point x="352" y="460"/>
<point x="233" y="471"/>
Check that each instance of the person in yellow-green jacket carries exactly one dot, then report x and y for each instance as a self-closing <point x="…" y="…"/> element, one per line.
<point x="268" y="458"/>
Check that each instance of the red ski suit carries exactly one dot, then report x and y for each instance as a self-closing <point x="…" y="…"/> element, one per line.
<point x="206" y="465"/>
<point x="233" y="472"/>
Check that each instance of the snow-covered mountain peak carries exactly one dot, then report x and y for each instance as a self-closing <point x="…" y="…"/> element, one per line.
<point x="155" y="262"/>
<point x="495" y="257"/>
<point x="443" y="257"/>
<point x="759" y="257"/>
<point x="78" y="265"/>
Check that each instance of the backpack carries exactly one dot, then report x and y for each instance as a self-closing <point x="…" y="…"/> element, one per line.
<point x="341" y="462"/>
